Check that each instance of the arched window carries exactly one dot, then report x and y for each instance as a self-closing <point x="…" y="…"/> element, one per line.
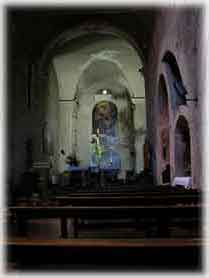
<point x="182" y="148"/>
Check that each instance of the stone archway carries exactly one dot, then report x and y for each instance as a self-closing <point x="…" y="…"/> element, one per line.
<point x="86" y="62"/>
<point x="88" y="28"/>
<point x="178" y="91"/>
<point x="182" y="148"/>
<point x="163" y="129"/>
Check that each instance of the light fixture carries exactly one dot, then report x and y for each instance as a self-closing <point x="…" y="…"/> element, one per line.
<point x="104" y="92"/>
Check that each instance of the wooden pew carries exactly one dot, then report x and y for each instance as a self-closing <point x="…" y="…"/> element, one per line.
<point x="124" y="198"/>
<point x="94" y="186"/>
<point x="162" y="214"/>
<point x="77" y="253"/>
<point x="157" y="191"/>
<point x="131" y="200"/>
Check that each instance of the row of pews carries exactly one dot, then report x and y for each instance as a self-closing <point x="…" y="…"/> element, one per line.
<point x="106" y="254"/>
<point x="162" y="210"/>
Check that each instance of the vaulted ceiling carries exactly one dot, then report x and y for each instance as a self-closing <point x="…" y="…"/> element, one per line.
<point x="96" y="62"/>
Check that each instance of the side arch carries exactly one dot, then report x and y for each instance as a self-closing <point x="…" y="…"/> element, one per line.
<point x="178" y="89"/>
<point x="182" y="147"/>
<point x="163" y="126"/>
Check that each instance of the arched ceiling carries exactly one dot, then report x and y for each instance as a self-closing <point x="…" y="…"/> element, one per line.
<point x="102" y="74"/>
<point x="96" y="62"/>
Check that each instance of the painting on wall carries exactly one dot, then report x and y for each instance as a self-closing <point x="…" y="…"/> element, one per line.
<point x="105" y="118"/>
<point x="105" y="126"/>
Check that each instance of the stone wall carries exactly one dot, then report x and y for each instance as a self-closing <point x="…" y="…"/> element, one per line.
<point x="177" y="30"/>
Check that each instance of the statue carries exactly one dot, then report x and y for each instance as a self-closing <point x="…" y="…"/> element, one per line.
<point x="96" y="150"/>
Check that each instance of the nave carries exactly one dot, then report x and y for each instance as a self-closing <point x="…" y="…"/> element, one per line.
<point x="104" y="132"/>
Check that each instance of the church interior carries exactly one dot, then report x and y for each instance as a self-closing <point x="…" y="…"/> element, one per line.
<point x="104" y="138"/>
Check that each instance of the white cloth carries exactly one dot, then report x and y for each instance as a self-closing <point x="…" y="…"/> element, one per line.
<point x="184" y="181"/>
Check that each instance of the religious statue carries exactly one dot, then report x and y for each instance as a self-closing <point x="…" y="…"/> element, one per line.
<point x="96" y="150"/>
